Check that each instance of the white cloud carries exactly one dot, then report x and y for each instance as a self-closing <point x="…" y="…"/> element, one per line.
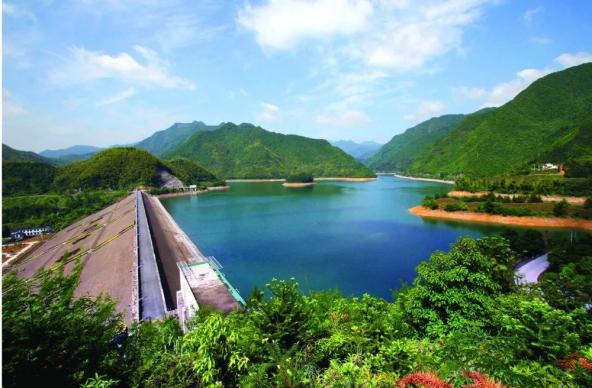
<point x="505" y="91"/>
<point x="470" y="93"/>
<point x="84" y="66"/>
<point x="399" y="35"/>
<point x="569" y="60"/>
<point x="18" y="11"/>
<point x="12" y="109"/>
<point x="530" y="14"/>
<point x="124" y="94"/>
<point x="270" y="112"/>
<point x="346" y="119"/>
<point x="281" y="24"/>
<point x="427" y="109"/>
<point x="540" y="40"/>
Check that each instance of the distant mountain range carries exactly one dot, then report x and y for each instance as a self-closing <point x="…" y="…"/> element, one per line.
<point x="247" y="151"/>
<point x="544" y="123"/>
<point x="76" y="150"/>
<point x="547" y="122"/>
<point x="360" y="151"/>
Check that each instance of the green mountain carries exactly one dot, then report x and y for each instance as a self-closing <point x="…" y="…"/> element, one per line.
<point x="188" y="171"/>
<point x="246" y="151"/>
<point x="534" y="126"/>
<point x="398" y="154"/>
<point x="10" y="154"/>
<point x="125" y="168"/>
<point x="360" y="151"/>
<point x="164" y="141"/>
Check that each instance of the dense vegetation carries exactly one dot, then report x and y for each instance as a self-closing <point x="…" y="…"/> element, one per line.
<point x="462" y="313"/>
<point x="544" y="184"/>
<point x="54" y="210"/>
<point x="12" y="155"/>
<point x="21" y="178"/>
<point x="300" y="178"/>
<point x="188" y="171"/>
<point x="520" y="206"/>
<point x="115" y="168"/>
<point x="247" y="151"/>
<point x="164" y="141"/>
<point x="399" y="153"/>
<point x="525" y="130"/>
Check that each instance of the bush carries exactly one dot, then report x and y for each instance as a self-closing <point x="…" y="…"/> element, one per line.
<point x="430" y="203"/>
<point x="457" y="206"/>
<point x="560" y="208"/>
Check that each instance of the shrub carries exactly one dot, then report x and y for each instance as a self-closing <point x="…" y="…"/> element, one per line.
<point x="430" y="203"/>
<point x="457" y="206"/>
<point x="560" y="208"/>
<point x="300" y="178"/>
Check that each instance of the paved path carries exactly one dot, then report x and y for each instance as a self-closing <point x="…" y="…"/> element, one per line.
<point x="152" y="305"/>
<point x="530" y="272"/>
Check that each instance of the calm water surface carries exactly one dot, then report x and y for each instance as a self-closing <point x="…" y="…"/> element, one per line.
<point x="356" y="237"/>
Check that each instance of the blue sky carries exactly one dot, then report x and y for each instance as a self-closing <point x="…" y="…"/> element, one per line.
<point x="113" y="72"/>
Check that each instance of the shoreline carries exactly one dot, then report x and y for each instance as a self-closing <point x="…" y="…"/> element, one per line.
<point x="414" y="178"/>
<point x="527" y="221"/>
<point x="545" y="198"/>
<point x="298" y="184"/>
<point x="327" y="179"/>
<point x="197" y="192"/>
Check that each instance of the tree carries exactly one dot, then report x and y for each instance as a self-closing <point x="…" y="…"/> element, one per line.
<point x="52" y="339"/>
<point x="451" y="289"/>
<point x="560" y="208"/>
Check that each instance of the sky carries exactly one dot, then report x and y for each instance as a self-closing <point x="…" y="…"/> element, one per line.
<point x="113" y="72"/>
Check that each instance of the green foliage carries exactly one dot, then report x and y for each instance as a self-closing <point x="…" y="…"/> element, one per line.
<point x="430" y="203"/>
<point x="12" y="155"/>
<point x="456" y="206"/>
<point x="23" y="178"/>
<point x="168" y="139"/>
<point x="189" y="172"/>
<point x="114" y="168"/>
<point x="51" y="338"/>
<point x="542" y="124"/>
<point x="247" y="151"/>
<point x="527" y="184"/>
<point x="452" y="289"/>
<point x="300" y="178"/>
<point x="560" y="208"/>
<point x="57" y="211"/>
<point x="462" y="313"/>
<point x="398" y="154"/>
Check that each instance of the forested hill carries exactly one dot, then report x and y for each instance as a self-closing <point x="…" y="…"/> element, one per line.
<point x="162" y="142"/>
<point x="12" y="155"/>
<point x="124" y="168"/>
<point x="530" y="128"/>
<point x="246" y="151"/>
<point x="398" y="154"/>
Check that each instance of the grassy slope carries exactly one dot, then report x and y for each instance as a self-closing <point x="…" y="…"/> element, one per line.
<point x="519" y="132"/>
<point x="400" y="151"/>
<point x="162" y="142"/>
<point x="247" y="151"/>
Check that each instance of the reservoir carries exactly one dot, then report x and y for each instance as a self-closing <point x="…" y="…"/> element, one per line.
<point x="357" y="237"/>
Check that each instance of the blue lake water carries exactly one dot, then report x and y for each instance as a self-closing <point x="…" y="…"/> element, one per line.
<point x="356" y="237"/>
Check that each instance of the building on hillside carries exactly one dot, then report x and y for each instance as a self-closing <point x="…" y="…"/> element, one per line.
<point x="549" y="166"/>
<point x="21" y="234"/>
